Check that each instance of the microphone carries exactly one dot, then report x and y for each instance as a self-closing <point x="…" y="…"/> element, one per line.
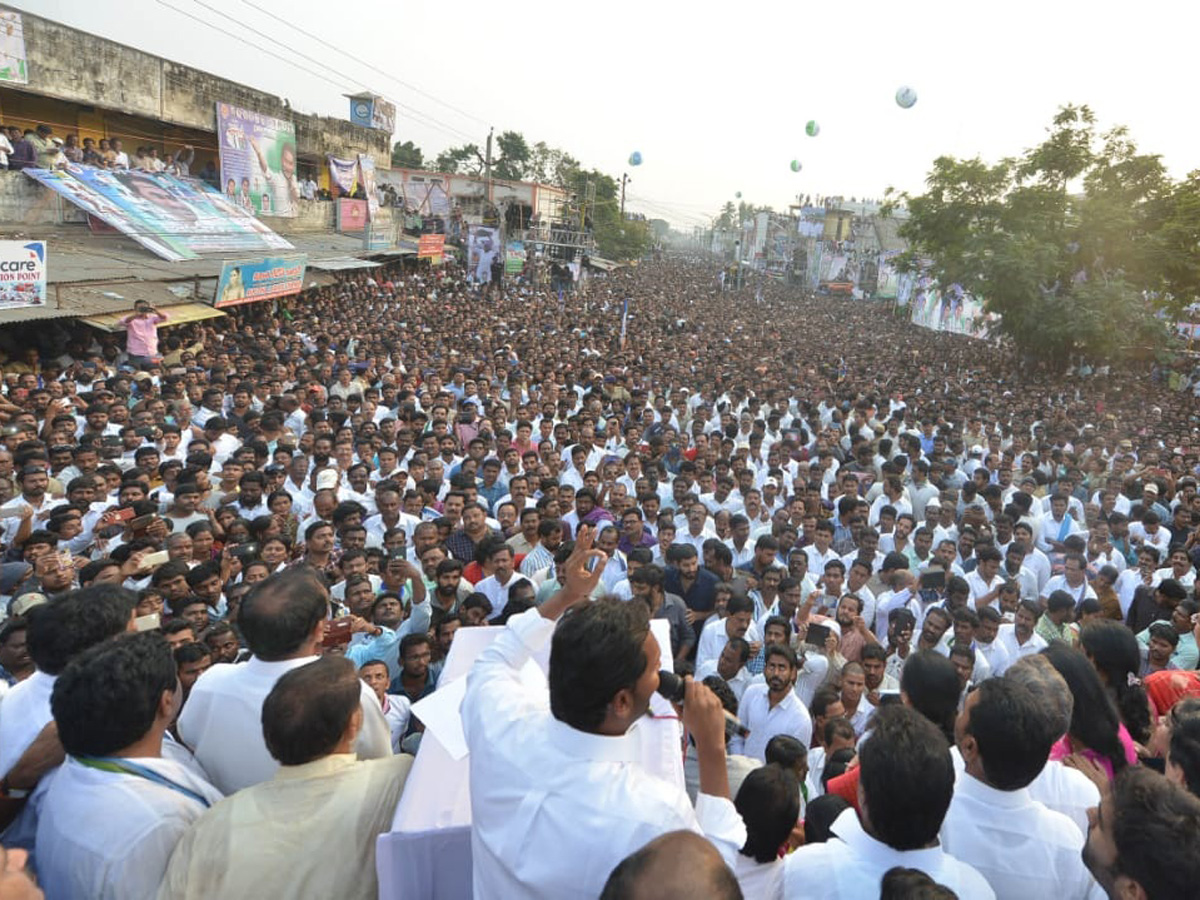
<point x="672" y="687"/>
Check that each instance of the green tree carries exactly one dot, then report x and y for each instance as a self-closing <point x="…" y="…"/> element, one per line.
<point x="725" y="219"/>
<point x="513" y="158"/>
<point x="464" y="160"/>
<point x="1065" y="242"/>
<point x="549" y="165"/>
<point x="407" y="155"/>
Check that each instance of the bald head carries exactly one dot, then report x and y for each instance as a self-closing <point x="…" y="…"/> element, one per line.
<point x="679" y="865"/>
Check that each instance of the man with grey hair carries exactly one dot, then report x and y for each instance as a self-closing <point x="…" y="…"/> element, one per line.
<point x="1060" y="786"/>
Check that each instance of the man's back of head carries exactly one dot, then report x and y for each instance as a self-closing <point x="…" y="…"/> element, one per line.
<point x="1003" y="735"/>
<point x="769" y="803"/>
<point x="679" y="865"/>
<point x="596" y="652"/>
<point x="110" y="696"/>
<point x="312" y="711"/>
<point x="279" y="616"/>
<point x="66" y="626"/>
<point x="907" y="779"/>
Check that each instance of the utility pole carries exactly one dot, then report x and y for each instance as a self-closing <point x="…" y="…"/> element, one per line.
<point x="487" y="166"/>
<point x="625" y="179"/>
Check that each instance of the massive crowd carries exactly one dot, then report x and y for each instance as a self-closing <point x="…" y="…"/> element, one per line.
<point x="944" y="595"/>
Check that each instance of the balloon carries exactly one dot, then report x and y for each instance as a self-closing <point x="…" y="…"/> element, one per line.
<point x="796" y="165"/>
<point x="635" y="158"/>
<point x="906" y="97"/>
<point x="738" y="195"/>
<point x="812" y="129"/>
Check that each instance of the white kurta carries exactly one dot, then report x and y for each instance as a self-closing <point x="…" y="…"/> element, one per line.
<point x="555" y="809"/>
<point x="789" y="716"/>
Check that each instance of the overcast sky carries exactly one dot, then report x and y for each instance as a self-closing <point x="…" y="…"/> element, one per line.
<point x="714" y="96"/>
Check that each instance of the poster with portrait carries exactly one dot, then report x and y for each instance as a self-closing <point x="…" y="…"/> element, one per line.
<point x="258" y="161"/>
<point x="13" y="65"/>
<point x="175" y="218"/>
<point x="366" y="176"/>
<point x="483" y="246"/>
<point x="247" y="281"/>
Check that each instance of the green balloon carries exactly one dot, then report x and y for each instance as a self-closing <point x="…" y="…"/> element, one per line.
<point x="795" y="165"/>
<point x="812" y="129"/>
<point x="738" y="195"/>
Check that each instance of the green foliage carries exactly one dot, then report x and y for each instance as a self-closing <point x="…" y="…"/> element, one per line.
<point x="464" y="160"/>
<point x="407" y="155"/>
<point x="1077" y="243"/>
<point x="513" y="158"/>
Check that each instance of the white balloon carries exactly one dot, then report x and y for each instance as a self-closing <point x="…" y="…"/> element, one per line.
<point x="906" y="97"/>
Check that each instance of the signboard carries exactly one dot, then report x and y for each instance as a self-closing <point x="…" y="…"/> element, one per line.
<point x="13" y="67"/>
<point x="247" y="281"/>
<point x="175" y="218"/>
<point x="258" y="161"/>
<point x="351" y="215"/>
<point x="22" y="274"/>
<point x="383" y="115"/>
<point x="370" y="111"/>
<point x="431" y="245"/>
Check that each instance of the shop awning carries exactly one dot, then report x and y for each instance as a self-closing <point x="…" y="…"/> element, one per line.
<point x="341" y="263"/>
<point x="604" y="265"/>
<point x="178" y="314"/>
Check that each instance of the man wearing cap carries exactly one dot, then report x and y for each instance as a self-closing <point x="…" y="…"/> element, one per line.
<point x="141" y="333"/>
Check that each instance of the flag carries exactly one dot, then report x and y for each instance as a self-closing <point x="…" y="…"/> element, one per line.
<point x="624" y="320"/>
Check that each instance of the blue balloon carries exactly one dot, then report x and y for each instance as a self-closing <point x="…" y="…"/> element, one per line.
<point x="635" y="158"/>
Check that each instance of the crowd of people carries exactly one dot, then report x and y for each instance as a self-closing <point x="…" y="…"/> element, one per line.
<point x="934" y="604"/>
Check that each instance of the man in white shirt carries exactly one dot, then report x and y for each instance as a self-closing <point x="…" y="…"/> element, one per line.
<point x="985" y="580"/>
<point x="1018" y="637"/>
<point x="1022" y="848"/>
<point x="905" y="788"/>
<point x="1073" y="580"/>
<point x="730" y="667"/>
<point x="496" y="586"/>
<point x="112" y="705"/>
<point x="771" y="707"/>
<point x="559" y="767"/>
<point x="738" y="623"/>
<point x="58" y="632"/>
<point x="283" y="622"/>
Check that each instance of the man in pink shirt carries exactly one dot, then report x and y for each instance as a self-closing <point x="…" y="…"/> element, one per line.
<point x="141" y="334"/>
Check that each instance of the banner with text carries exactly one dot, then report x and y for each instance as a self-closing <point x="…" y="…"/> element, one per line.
<point x="22" y="274"/>
<point x="431" y="245"/>
<point x="247" y="281"/>
<point x="175" y="218"/>
<point x="258" y="161"/>
<point x="366" y="175"/>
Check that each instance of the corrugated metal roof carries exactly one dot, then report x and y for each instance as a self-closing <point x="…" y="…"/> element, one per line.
<point x="179" y="314"/>
<point x="340" y="263"/>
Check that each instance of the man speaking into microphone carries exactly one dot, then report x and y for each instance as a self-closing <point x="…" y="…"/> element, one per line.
<point x="558" y="797"/>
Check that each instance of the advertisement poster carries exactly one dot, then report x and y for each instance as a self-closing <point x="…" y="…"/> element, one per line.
<point x="22" y="274"/>
<point x="366" y="174"/>
<point x="514" y="259"/>
<point x="175" y="218"/>
<point x="258" y="161"/>
<point x="13" y="68"/>
<point x="483" y="245"/>
<point x="247" y="281"/>
<point x="343" y="175"/>
<point x="351" y="216"/>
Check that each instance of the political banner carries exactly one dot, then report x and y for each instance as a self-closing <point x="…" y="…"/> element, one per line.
<point x="514" y="258"/>
<point x="952" y="310"/>
<point x="175" y="218"/>
<point x="431" y="245"/>
<point x="13" y="66"/>
<point x="247" y="281"/>
<point x="343" y="175"/>
<point x="22" y="274"/>
<point x="483" y="245"/>
<point x="366" y="175"/>
<point x="258" y="161"/>
<point x="383" y="115"/>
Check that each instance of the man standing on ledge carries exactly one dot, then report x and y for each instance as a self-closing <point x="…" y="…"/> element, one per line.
<point x="558" y="796"/>
<point x="141" y="334"/>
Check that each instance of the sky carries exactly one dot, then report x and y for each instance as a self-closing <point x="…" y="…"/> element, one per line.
<point x="714" y="96"/>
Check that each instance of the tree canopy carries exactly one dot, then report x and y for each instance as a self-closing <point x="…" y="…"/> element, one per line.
<point x="1082" y="244"/>
<point x="407" y="155"/>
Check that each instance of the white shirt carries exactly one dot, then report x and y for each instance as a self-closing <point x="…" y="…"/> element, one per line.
<point x="1079" y="594"/>
<point x="497" y="593"/>
<point x="26" y="712"/>
<point x="759" y="881"/>
<point x="554" y="809"/>
<point x="788" y="716"/>
<point x="396" y="710"/>
<point x="817" y="559"/>
<point x="222" y="722"/>
<point x="995" y="654"/>
<point x="851" y="865"/>
<point x="714" y="637"/>
<point x="1023" y="849"/>
<point x="1067" y="791"/>
<point x="108" y="835"/>
<point x="738" y="683"/>
<point x="1006" y="637"/>
<point x="979" y="587"/>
